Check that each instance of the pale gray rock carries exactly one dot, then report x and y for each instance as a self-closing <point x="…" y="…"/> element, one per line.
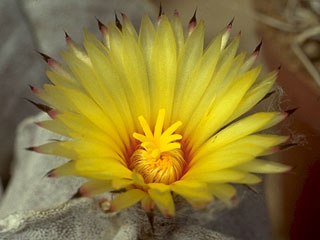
<point x="20" y="65"/>
<point x="36" y="207"/>
<point x="51" y="18"/>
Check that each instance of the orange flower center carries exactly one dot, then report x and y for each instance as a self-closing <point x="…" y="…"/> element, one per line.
<point x="159" y="157"/>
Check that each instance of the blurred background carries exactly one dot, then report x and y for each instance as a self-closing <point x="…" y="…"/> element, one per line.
<point x="288" y="206"/>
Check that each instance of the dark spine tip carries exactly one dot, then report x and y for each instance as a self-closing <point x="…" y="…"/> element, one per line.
<point x="279" y="68"/>
<point x="66" y="35"/>
<point x="40" y="106"/>
<point x="176" y="13"/>
<point x="257" y="49"/>
<point x="123" y="16"/>
<point x="287" y="146"/>
<point x="32" y="149"/>
<point x="50" y="173"/>
<point x="77" y="194"/>
<point x="117" y="21"/>
<point x="45" y="57"/>
<point x="291" y="111"/>
<point x="269" y="94"/>
<point x="100" y="24"/>
<point x="229" y="26"/>
<point x="160" y="10"/>
<point x="193" y="20"/>
<point x="33" y="89"/>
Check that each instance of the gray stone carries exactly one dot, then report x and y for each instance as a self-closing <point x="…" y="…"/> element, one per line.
<point x="20" y="65"/>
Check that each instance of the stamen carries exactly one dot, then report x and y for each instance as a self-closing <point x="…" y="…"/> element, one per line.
<point x="159" y="158"/>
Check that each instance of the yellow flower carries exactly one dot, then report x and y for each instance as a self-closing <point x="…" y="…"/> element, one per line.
<point x="155" y="115"/>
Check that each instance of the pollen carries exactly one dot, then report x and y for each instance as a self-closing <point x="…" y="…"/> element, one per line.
<point x="158" y="157"/>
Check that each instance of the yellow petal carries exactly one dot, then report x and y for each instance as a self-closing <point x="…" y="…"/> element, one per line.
<point x="244" y="127"/>
<point x="67" y="169"/>
<point x="86" y="106"/>
<point x="97" y="93"/>
<point x="224" y="192"/>
<point x="56" y="97"/>
<point x="263" y="166"/>
<point x="248" y="179"/>
<point x="163" y="70"/>
<point x="199" y="80"/>
<point x="95" y="187"/>
<point x="82" y="129"/>
<point x="188" y="59"/>
<point x="128" y="26"/>
<point x="127" y="199"/>
<point x="233" y="154"/>
<point x="109" y="78"/>
<point x="164" y="201"/>
<point x="135" y="70"/>
<point x="208" y="98"/>
<point x="193" y="191"/>
<point x="222" y="176"/>
<point x="102" y="168"/>
<point x="162" y="198"/>
<point x="120" y="183"/>
<point x="224" y="106"/>
<point x="55" y="126"/>
<point x="178" y="32"/>
<point x="138" y="179"/>
<point x="57" y="148"/>
<point x="60" y="80"/>
<point x="255" y="94"/>
<point x="229" y="52"/>
<point x="147" y="204"/>
<point x="146" y="38"/>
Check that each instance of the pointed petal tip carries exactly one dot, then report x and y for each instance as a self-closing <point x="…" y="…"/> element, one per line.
<point x="176" y="13"/>
<point x="76" y="195"/>
<point x="257" y="49"/>
<point x="278" y="69"/>
<point x="33" y="89"/>
<point x="160" y="10"/>
<point x="32" y="149"/>
<point x="234" y="198"/>
<point x="287" y="146"/>
<point x="289" y="169"/>
<point x="38" y="124"/>
<point x="101" y="26"/>
<point x="193" y="20"/>
<point x="67" y="37"/>
<point x="274" y="149"/>
<point x="49" y="60"/>
<point x="229" y="26"/>
<point x="117" y="21"/>
<point x="124" y="16"/>
<point x="52" y="112"/>
<point x="291" y="111"/>
<point x="51" y="173"/>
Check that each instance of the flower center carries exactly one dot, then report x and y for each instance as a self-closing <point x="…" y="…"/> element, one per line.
<point x="159" y="157"/>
